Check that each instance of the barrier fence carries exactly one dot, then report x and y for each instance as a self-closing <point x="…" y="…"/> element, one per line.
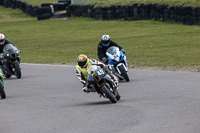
<point x="175" y="14"/>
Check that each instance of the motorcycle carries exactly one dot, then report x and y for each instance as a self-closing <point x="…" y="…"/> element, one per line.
<point x="117" y="63"/>
<point x="2" y="92"/>
<point x="11" y="61"/>
<point x="102" y="83"/>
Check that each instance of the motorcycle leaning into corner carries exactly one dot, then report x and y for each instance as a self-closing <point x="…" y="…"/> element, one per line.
<point x="102" y="83"/>
<point x="117" y="63"/>
<point x="2" y="92"/>
<point x="10" y="61"/>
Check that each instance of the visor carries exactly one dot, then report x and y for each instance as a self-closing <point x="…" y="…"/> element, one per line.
<point x="82" y="64"/>
<point x="106" y="43"/>
<point x="2" y="41"/>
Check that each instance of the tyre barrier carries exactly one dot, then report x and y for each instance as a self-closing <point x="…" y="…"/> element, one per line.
<point x="174" y="14"/>
<point x="68" y="2"/>
<point x="44" y="16"/>
<point x="163" y="13"/>
<point x="64" y="1"/>
<point x="26" y="8"/>
<point x="57" y="6"/>
<point x="46" y="11"/>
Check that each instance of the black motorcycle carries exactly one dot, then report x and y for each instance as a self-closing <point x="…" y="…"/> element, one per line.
<point x="102" y="83"/>
<point x="11" y="61"/>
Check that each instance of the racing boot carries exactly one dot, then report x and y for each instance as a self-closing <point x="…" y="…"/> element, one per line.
<point x="87" y="88"/>
<point x="114" y="78"/>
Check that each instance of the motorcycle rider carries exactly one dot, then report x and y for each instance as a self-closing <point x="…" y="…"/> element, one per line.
<point x="3" y="42"/>
<point x="103" y="45"/>
<point x="81" y="71"/>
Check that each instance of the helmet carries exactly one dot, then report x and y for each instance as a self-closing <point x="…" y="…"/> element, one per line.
<point x="106" y="40"/>
<point x="82" y="60"/>
<point x="2" y="39"/>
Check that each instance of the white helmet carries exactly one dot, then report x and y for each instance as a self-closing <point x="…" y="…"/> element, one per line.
<point x="2" y="39"/>
<point x="106" y="40"/>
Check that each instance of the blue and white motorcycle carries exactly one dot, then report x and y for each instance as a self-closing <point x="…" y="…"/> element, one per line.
<point x="117" y="63"/>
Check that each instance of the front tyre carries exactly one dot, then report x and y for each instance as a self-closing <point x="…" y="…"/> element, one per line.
<point x="118" y="96"/>
<point x="106" y="90"/>
<point x="124" y="73"/>
<point x="2" y="92"/>
<point x="17" y="70"/>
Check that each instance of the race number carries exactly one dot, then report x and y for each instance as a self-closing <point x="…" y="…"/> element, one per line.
<point x="100" y="72"/>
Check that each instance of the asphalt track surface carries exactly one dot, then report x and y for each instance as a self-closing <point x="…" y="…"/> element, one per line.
<point x="49" y="99"/>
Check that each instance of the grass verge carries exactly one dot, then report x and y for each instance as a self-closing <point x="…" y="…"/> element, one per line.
<point x="39" y="2"/>
<point x="194" y="3"/>
<point x="148" y="43"/>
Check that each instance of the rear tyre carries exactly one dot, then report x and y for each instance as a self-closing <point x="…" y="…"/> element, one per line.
<point x="109" y="95"/>
<point x="17" y="70"/>
<point x="124" y="73"/>
<point x="2" y="92"/>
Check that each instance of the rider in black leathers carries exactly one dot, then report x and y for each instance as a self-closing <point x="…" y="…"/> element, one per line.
<point x="103" y="45"/>
<point x="3" y="42"/>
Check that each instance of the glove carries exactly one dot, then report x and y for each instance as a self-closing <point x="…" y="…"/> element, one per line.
<point x="105" y="68"/>
<point x="104" y="59"/>
<point x="124" y="51"/>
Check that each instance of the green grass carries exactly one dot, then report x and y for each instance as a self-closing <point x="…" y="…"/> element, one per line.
<point x="10" y="15"/>
<point x="39" y="2"/>
<point x="195" y="3"/>
<point x="148" y="43"/>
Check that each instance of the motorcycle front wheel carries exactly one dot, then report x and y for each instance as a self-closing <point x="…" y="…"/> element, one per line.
<point x="17" y="70"/>
<point x="106" y="90"/>
<point x="118" y="96"/>
<point x="124" y="73"/>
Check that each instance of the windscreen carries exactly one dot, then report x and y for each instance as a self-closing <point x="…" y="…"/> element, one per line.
<point x="9" y="48"/>
<point x="92" y="68"/>
<point x="112" y="50"/>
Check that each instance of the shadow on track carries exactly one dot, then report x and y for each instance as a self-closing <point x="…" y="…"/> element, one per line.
<point x="97" y="103"/>
<point x="93" y="103"/>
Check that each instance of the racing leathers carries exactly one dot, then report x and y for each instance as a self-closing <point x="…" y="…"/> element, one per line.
<point x="1" y="50"/>
<point x="81" y="73"/>
<point x="5" y="43"/>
